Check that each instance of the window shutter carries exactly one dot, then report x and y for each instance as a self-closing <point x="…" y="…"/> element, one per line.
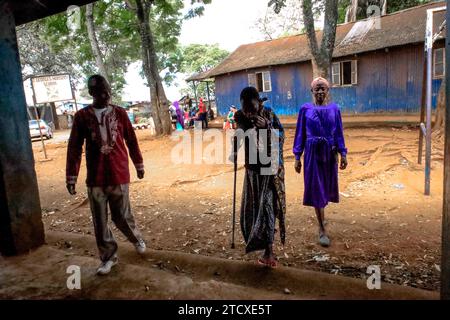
<point x="354" y="71"/>
<point x="267" y="82"/>
<point x="336" y="74"/>
<point x="439" y="63"/>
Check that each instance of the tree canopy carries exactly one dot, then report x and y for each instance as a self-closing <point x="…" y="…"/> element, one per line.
<point x="117" y="29"/>
<point x="392" y="6"/>
<point x="199" y="58"/>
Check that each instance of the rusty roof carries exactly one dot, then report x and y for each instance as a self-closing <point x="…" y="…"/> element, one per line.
<point x="396" y="29"/>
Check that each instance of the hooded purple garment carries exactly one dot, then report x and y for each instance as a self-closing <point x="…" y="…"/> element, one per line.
<point x="180" y="116"/>
<point x="320" y="136"/>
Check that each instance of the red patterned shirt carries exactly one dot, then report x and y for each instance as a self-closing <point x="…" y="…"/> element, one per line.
<point x="106" y="159"/>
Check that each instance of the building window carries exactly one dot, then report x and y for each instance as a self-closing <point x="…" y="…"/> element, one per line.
<point x="336" y="74"/>
<point x="252" y="80"/>
<point x="261" y="81"/>
<point x="267" y="82"/>
<point x="439" y="63"/>
<point x="344" y="73"/>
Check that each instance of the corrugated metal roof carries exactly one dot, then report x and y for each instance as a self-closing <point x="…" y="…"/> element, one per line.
<point x="195" y="76"/>
<point x="400" y="28"/>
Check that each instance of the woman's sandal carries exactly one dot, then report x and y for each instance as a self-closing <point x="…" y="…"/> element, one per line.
<point x="271" y="262"/>
<point x="324" y="240"/>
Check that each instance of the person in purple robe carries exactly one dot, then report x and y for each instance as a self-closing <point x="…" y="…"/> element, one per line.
<point x="319" y="136"/>
<point x="180" y="115"/>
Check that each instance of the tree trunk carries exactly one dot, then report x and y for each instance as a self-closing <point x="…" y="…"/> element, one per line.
<point x="318" y="69"/>
<point x="352" y="11"/>
<point x="160" y="107"/>
<point x="384" y="9"/>
<point x="440" y="109"/>
<point x="94" y="41"/>
<point x="321" y="57"/>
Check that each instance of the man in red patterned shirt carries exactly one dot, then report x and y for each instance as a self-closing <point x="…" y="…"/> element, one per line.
<point x="106" y="129"/>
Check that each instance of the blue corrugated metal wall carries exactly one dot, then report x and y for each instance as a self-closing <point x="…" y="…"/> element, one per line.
<point x="388" y="81"/>
<point x="290" y="88"/>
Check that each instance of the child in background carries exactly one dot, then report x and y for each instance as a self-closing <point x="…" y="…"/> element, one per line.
<point x="229" y="122"/>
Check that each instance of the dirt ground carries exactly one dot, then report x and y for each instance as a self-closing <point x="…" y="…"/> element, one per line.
<point x="170" y="275"/>
<point x="383" y="217"/>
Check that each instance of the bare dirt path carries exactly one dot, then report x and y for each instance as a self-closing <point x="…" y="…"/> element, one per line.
<point x="383" y="218"/>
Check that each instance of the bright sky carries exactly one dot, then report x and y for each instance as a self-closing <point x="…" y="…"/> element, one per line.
<point x="229" y="23"/>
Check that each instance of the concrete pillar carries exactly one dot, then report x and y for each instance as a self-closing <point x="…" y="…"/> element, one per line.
<point x="21" y="227"/>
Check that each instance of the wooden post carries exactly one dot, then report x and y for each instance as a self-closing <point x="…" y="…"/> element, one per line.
<point x="195" y="92"/>
<point x="208" y="92"/>
<point x="38" y="119"/>
<point x="209" y="96"/>
<point x="73" y="94"/>
<point x="445" y="256"/>
<point x="54" y="116"/>
<point x="30" y="115"/>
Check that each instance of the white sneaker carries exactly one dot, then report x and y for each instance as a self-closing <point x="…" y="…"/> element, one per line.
<point x="105" y="267"/>
<point x="140" y="246"/>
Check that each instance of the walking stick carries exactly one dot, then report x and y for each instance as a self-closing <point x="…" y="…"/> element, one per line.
<point x="234" y="189"/>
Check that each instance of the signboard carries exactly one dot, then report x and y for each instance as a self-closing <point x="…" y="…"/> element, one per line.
<point x="51" y="88"/>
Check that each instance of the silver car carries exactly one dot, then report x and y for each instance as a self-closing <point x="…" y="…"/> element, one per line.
<point x="45" y="129"/>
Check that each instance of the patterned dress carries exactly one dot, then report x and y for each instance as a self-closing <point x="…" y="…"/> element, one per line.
<point x="263" y="195"/>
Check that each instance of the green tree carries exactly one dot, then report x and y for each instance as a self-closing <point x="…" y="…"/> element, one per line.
<point x="323" y="53"/>
<point x="198" y="58"/>
<point x="95" y="46"/>
<point x="343" y="10"/>
<point x="37" y="57"/>
<point x="350" y="10"/>
<point x="201" y="57"/>
<point x="115" y="36"/>
<point x="397" y="5"/>
<point x="124" y="31"/>
<point x="159" y="25"/>
<point x="288" y="22"/>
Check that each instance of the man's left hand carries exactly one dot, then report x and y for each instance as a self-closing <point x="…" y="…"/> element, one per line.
<point x="140" y="174"/>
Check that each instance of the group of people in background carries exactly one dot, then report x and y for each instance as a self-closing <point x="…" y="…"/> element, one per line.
<point x="185" y="117"/>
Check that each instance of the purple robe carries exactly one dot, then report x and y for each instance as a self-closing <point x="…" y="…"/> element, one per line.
<point x="319" y="135"/>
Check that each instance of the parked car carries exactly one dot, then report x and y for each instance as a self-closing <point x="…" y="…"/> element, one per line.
<point x="142" y="123"/>
<point x="140" y="126"/>
<point x="45" y="129"/>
